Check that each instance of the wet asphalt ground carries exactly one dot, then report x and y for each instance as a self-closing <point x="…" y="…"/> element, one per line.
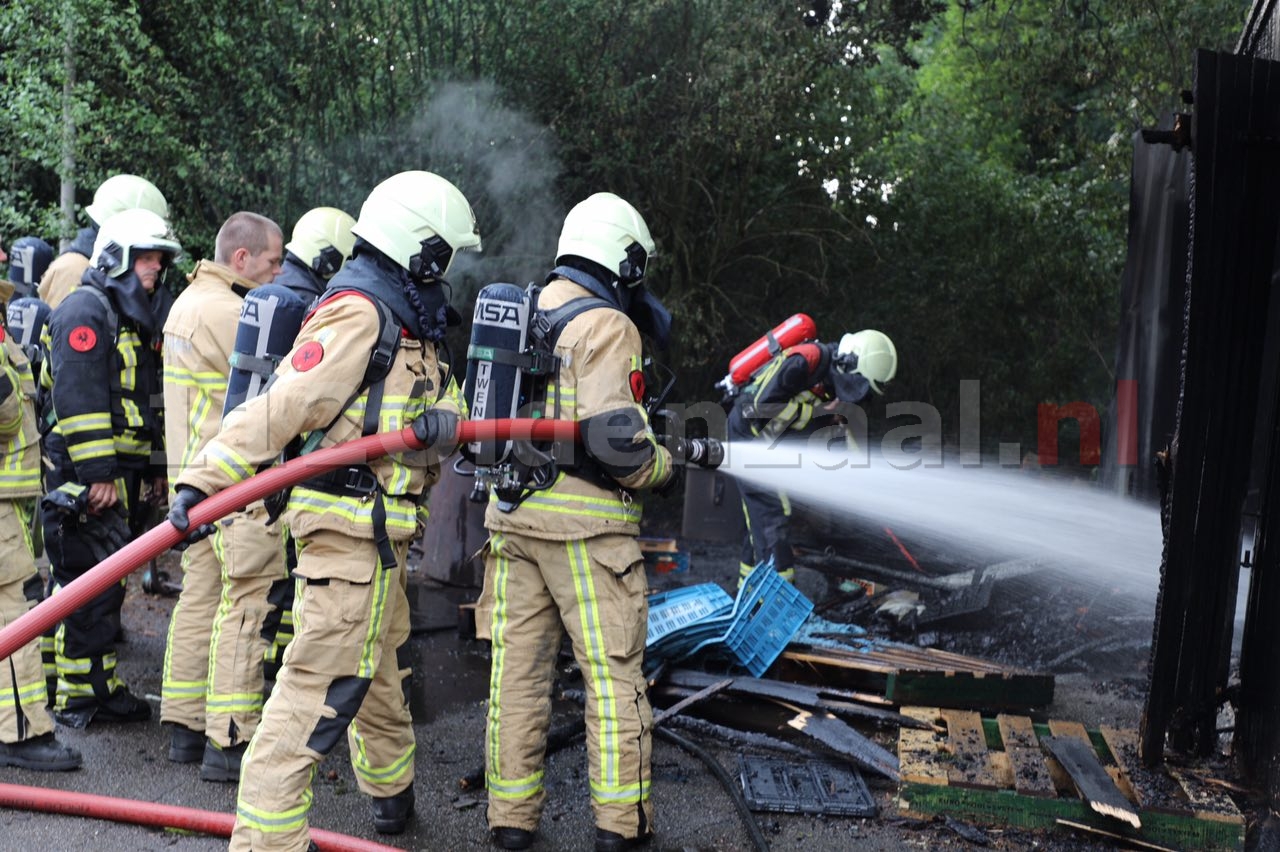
<point x="449" y="690"/>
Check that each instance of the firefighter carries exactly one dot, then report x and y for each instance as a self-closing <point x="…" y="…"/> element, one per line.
<point x="346" y="667"/>
<point x="797" y="392"/>
<point x="104" y="443"/>
<point x="320" y="245"/>
<point x="26" y="729"/>
<point x="115" y="194"/>
<point x="565" y="559"/>
<point x="212" y="676"/>
<point x="31" y="257"/>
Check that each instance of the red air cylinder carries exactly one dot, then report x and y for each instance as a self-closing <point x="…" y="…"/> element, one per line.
<point x="795" y="329"/>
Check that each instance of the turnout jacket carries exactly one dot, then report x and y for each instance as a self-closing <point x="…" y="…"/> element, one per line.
<point x="105" y="379"/>
<point x="19" y="436"/>
<point x="66" y="270"/>
<point x="199" y="336"/>
<point x="600" y="370"/>
<point x="784" y="393"/>
<point x="318" y="387"/>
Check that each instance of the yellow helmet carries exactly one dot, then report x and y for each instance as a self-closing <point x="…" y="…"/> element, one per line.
<point x="126" y="192"/>
<point x="607" y="230"/>
<point x="876" y="357"/>
<point x="322" y="239"/>
<point x="419" y="220"/>
<point x="125" y="234"/>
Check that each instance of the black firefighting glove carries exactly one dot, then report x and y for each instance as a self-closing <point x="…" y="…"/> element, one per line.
<point x="703" y="452"/>
<point x="437" y="429"/>
<point x="6" y="385"/>
<point x="105" y="533"/>
<point x="184" y="499"/>
<point x="70" y="501"/>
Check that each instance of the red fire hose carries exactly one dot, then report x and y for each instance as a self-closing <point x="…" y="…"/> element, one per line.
<point x="159" y="816"/>
<point x="146" y="547"/>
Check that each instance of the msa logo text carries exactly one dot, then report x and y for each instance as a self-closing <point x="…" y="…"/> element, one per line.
<point x="498" y="313"/>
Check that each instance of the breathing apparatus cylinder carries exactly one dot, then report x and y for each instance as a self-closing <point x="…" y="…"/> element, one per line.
<point x="26" y="318"/>
<point x="270" y="319"/>
<point x="499" y="331"/>
<point x="795" y="329"/>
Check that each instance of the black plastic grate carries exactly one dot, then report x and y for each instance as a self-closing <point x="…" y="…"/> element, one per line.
<point x="817" y="787"/>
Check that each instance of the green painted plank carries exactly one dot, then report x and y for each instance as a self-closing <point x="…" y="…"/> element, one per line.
<point x="1009" y="808"/>
<point x="962" y="689"/>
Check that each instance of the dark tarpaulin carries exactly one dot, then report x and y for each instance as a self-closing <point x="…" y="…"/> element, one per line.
<point x="1149" y="343"/>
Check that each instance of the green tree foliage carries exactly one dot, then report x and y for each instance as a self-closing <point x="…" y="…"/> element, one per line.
<point x="1006" y="157"/>
<point x="955" y="179"/>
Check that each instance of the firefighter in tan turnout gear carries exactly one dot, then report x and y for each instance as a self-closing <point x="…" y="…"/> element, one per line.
<point x="345" y="668"/>
<point x="198" y="338"/>
<point x="114" y="195"/>
<point x="565" y="558"/>
<point x="26" y="730"/>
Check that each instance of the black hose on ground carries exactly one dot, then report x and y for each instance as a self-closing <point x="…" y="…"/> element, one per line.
<point x="730" y="786"/>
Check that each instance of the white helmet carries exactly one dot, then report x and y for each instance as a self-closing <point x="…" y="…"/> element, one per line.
<point x="877" y="358"/>
<point x="322" y="239"/>
<point x="609" y="231"/>
<point x="125" y="234"/>
<point x="419" y="220"/>
<point x="126" y="192"/>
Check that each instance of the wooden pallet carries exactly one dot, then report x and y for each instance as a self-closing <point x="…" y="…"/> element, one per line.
<point x="905" y="674"/>
<point x="995" y="771"/>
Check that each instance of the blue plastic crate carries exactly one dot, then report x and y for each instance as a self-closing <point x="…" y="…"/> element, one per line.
<point x="769" y="611"/>
<point x="676" y="611"/>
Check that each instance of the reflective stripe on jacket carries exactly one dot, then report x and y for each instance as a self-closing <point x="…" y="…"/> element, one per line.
<point x="19" y="437"/>
<point x="339" y="339"/>
<point x="198" y="338"/>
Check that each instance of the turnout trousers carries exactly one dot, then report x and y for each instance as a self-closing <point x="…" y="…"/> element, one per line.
<point x="185" y="683"/>
<point x="252" y="557"/>
<point x="22" y="685"/>
<point x="84" y="641"/>
<point x="593" y="589"/>
<point x="344" y="673"/>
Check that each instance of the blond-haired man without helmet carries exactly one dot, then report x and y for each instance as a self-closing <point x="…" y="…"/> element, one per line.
<point x="342" y="673"/>
<point x="566" y="559"/>
<point x="26" y="729"/>
<point x="321" y="243"/>
<point x="212" y="678"/>
<point x="105" y="443"/>
<point x="114" y="195"/>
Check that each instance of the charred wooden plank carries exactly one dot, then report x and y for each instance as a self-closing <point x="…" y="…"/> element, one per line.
<point x="1030" y="772"/>
<point x="1207" y="802"/>
<point x="830" y="731"/>
<point x="1123" y="838"/>
<point x="971" y="766"/>
<point x="700" y="695"/>
<point x="802" y="694"/>
<point x="723" y="735"/>
<point x="1095" y="785"/>
<point x="1152" y="789"/>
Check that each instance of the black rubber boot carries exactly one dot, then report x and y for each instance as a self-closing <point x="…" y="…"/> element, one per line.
<point x="221" y="764"/>
<point x="42" y="754"/>
<point x="512" y="838"/>
<point x="123" y="706"/>
<point x="185" y="745"/>
<point x="611" y="841"/>
<point x="391" y="814"/>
